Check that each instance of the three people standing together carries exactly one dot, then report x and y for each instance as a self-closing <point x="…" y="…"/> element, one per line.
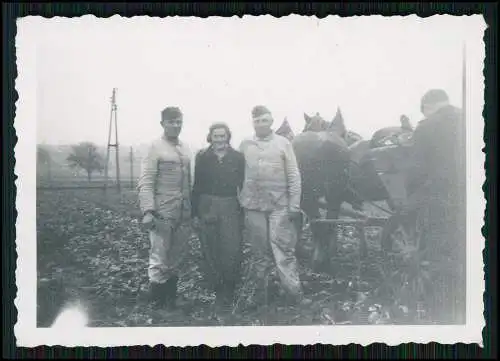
<point x="256" y="188"/>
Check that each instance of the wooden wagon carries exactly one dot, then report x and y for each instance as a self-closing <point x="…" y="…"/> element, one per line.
<point x="400" y="227"/>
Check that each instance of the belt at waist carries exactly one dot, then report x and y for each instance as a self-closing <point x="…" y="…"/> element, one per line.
<point x="222" y="194"/>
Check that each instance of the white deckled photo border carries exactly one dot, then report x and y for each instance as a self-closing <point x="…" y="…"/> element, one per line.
<point x="28" y="335"/>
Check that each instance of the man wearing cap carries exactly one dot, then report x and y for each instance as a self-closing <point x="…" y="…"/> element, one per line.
<point x="271" y="199"/>
<point x="435" y="188"/>
<point x="164" y="197"/>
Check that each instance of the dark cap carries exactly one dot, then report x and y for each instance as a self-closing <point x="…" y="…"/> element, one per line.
<point x="259" y="110"/>
<point x="434" y="96"/>
<point x="171" y="113"/>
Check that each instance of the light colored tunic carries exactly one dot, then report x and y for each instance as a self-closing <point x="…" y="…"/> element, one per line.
<point x="164" y="187"/>
<point x="272" y="177"/>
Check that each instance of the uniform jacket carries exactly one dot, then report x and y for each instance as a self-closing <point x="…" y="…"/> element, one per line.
<point x="165" y="181"/>
<point x="272" y="178"/>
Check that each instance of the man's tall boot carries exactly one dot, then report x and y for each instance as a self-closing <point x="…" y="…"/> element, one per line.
<point x="298" y="299"/>
<point x="171" y="293"/>
<point x="157" y="294"/>
<point x="224" y="297"/>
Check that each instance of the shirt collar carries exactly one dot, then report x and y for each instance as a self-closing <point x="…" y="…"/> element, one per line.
<point x="266" y="138"/>
<point x="175" y="143"/>
<point x="211" y="151"/>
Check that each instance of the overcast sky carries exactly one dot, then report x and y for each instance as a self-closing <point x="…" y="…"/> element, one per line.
<point x="374" y="68"/>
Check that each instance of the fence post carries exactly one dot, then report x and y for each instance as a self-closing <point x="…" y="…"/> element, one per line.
<point x="131" y="168"/>
<point x="49" y="170"/>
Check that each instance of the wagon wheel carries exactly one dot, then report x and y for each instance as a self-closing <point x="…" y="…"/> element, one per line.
<point x="402" y="233"/>
<point x="402" y="242"/>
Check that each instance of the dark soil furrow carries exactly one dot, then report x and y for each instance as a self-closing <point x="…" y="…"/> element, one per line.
<point x="91" y="248"/>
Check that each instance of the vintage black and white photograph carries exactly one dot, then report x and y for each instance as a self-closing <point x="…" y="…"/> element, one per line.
<point x="189" y="181"/>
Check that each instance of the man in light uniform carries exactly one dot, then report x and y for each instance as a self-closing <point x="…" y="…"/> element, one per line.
<point x="271" y="199"/>
<point x="164" y="197"/>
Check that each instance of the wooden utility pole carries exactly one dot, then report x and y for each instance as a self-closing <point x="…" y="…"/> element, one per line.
<point x="131" y="168"/>
<point x="113" y="116"/>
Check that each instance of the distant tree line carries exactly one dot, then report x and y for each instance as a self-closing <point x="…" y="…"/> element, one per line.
<point x="83" y="156"/>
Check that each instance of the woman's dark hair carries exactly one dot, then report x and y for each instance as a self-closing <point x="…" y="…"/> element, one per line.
<point x="215" y="126"/>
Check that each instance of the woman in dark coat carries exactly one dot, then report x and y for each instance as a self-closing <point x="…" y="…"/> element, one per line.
<point x="218" y="177"/>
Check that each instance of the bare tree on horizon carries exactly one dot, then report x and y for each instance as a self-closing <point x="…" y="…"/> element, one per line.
<point x="86" y="156"/>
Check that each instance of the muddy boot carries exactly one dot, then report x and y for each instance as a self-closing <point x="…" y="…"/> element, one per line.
<point x="174" y="301"/>
<point x="223" y="307"/>
<point x="224" y="300"/>
<point x="157" y="294"/>
<point x="170" y="295"/>
<point x="164" y="311"/>
<point x="298" y="300"/>
<point x="304" y="301"/>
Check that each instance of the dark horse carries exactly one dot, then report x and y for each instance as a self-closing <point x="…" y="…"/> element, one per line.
<point x="323" y="157"/>
<point x="330" y="160"/>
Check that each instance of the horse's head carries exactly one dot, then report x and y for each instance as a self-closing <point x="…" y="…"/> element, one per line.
<point x="316" y="123"/>
<point x="337" y="125"/>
